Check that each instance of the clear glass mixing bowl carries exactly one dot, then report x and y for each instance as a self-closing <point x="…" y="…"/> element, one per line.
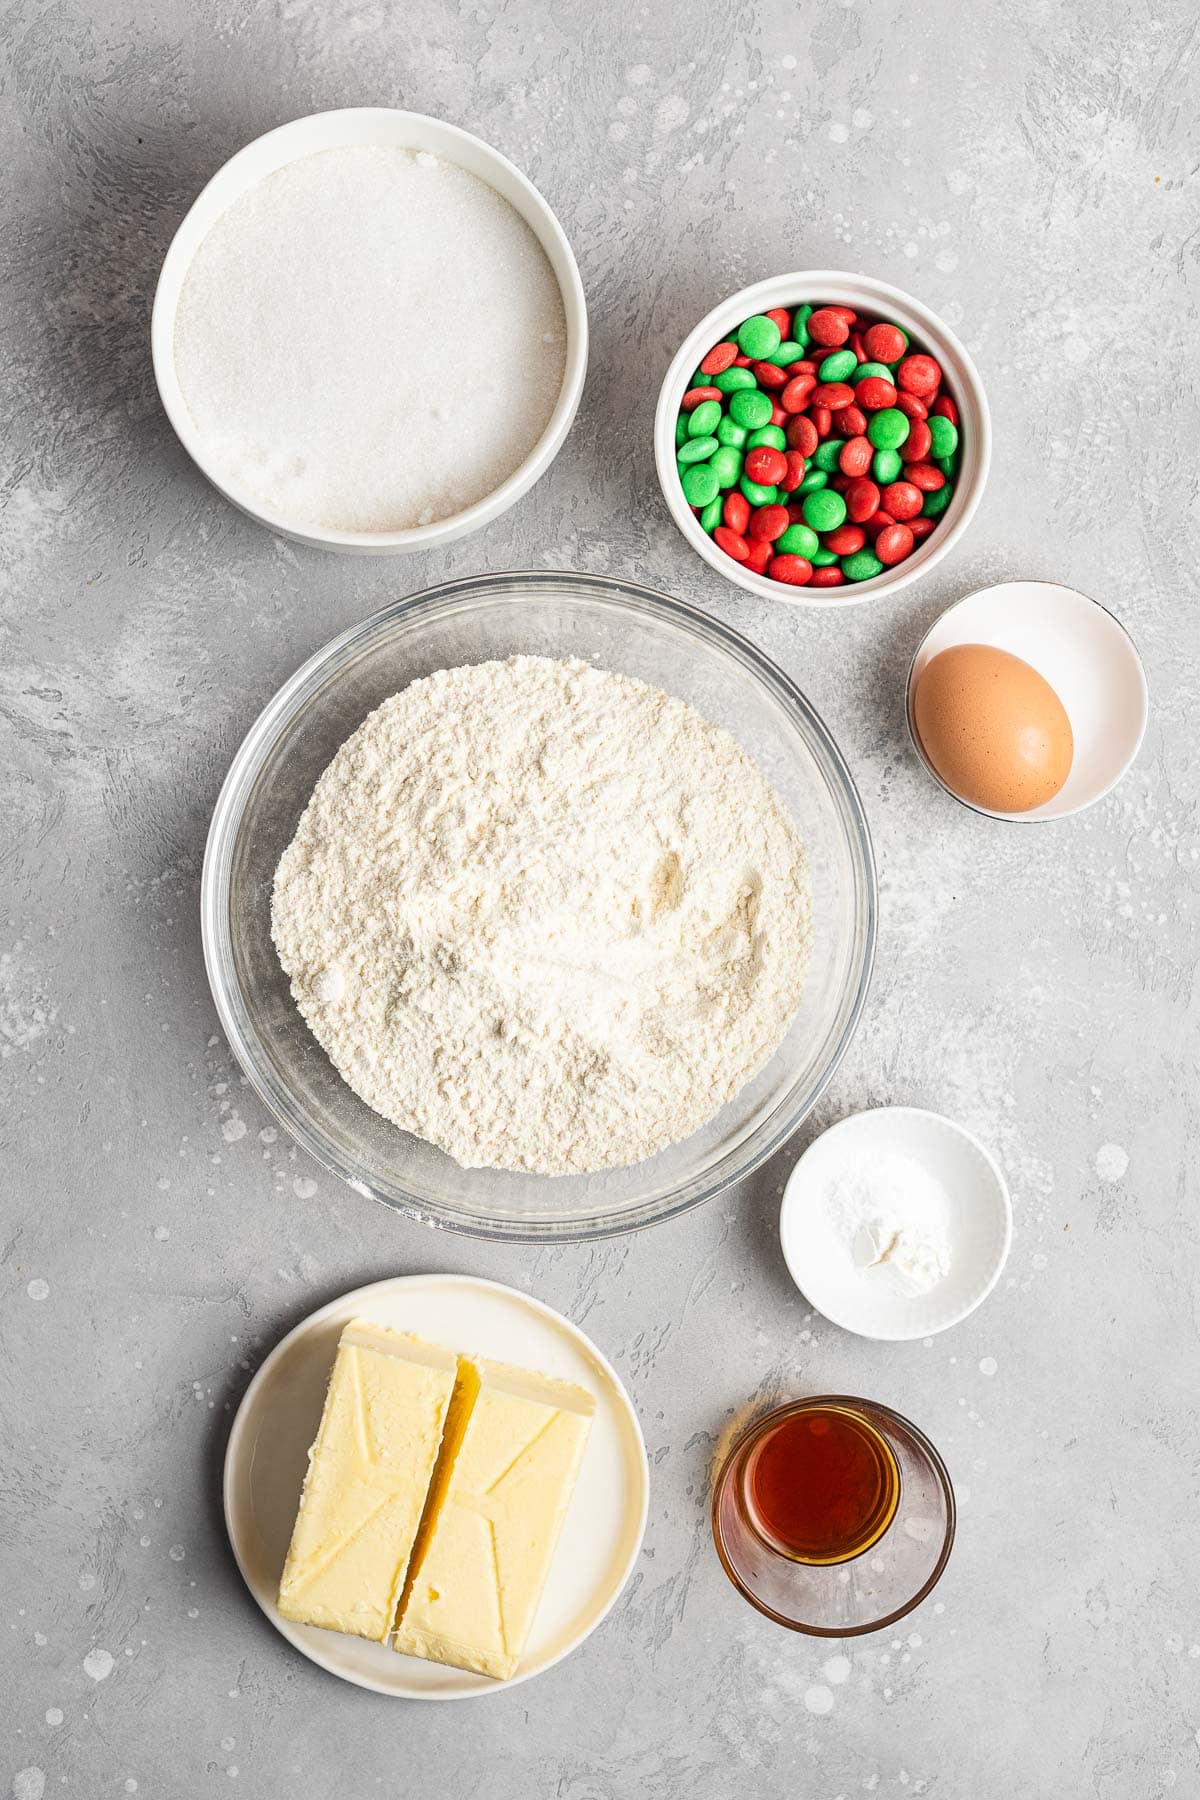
<point x="614" y="626"/>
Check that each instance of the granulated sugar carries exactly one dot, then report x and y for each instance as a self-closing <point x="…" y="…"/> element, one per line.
<point x="369" y="339"/>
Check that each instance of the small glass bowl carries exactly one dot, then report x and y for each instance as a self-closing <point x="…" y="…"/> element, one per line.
<point x="613" y="626"/>
<point x="869" y="1591"/>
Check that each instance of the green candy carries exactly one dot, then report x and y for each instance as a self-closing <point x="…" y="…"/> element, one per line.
<point x="888" y="429"/>
<point x="704" y="419"/>
<point x="771" y="435"/>
<point x="861" y="566"/>
<point x="822" y="559"/>
<point x="730" y="432"/>
<point x="681" y="430"/>
<point x="788" y="352"/>
<point x="798" y="540"/>
<point x="826" y="455"/>
<point x="750" y="407"/>
<point x="814" y="480"/>
<point x="946" y="464"/>
<point x="697" y="450"/>
<point x="943" y="437"/>
<point x="861" y="371"/>
<point x="710" y="518"/>
<point x="730" y="380"/>
<point x="936" y="504"/>
<point x="726" y="465"/>
<point x="756" y="493"/>
<point x="800" y="319"/>
<point x="758" y="336"/>
<point x="838" y="367"/>
<point x="700" y="484"/>
<point x="886" y="466"/>
<point x="824" y="510"/>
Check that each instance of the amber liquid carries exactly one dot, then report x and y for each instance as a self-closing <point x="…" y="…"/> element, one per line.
<point x="822" y="1486"/>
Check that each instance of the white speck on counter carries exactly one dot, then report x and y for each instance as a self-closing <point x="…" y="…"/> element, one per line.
<point x="819" y="1699"/>
<point x="98" y="1664"/>
<point x="29" y="1784"/>
<point x="838" y="133"/>
<point x="304" y="1187"/>
<point x="233" y="1129"/>
<point x="321" y="350"/>
<point x="54" y="1715"/>
<point x="38" y="1289"/>
<point x="836" y="1670"/>
<point x="987" y="1365"/>
<point x="1111" y="1162"/>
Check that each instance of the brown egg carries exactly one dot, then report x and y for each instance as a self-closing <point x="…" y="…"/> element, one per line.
<point x="993" y="728"/>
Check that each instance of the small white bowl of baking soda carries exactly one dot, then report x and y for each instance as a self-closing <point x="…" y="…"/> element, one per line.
<point x="896" y="1223"/>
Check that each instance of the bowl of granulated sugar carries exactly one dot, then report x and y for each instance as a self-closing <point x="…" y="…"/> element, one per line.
<point x="369" y="332"/>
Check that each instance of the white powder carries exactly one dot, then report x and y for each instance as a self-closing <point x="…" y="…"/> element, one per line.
<point x="892" y="1219"/>
<point x="546" y="917"/>
<point x="369" y="340"/>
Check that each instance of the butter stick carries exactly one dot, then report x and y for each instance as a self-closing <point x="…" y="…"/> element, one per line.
<point x="368" y="1477"/>
<point x="514" y="1444"/>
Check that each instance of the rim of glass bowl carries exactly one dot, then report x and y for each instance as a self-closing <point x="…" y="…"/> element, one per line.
<point x="736" y="1162"/>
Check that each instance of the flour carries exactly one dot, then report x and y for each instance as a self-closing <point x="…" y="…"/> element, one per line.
<point x="369" y="340"/>
<point x="548" y="918"/>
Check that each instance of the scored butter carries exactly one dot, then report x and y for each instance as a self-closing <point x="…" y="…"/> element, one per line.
<point x="513" y="1445"/>
<point x="368" y="1477"/>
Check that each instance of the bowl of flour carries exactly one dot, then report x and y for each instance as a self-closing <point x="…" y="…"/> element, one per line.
<point x="539" y="905"/>
<point x="369" y="332"/>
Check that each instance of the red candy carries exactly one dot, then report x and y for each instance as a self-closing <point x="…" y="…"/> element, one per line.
<point x="855" y="456"/>
<point x="862" y="499"/>
<point x="919" y="375"/>
<point x="769" y="522"/>
<point x="778" y="416"/>
<point x="796" y="394"/>
<point x="766" y="465"/>
<point x="853" y="421"/>
<point x="921" y="528"/>
<point x="769" y="375"/>
<point x="902" y="499"/>
<point x="845" y="540"/>
<point x="722" y="356"/>
<point x="802" y="435"/>
<point x="694" y="396"/>
<point x="859" y="347"/>
<point x="827" y="576"/>
<point x="835" y="394"/>
<point x="779" y="315"/>
<point x="740" y="361"/>
<point x="884" y="343"/>
<point x="822" y="418"/>
<point x="731" y="542"/>
<point x="911" y="406"/>
<point x="874" y="394"/>
<point x="923" y="475"/>
<point x="796" y="464"/>
<point x="918" y="443"/>
<point x="944" y="408"/>
<point x="761" y="552"/>
<point x="829" y="326"/>
<point x="736" y="512"/>
<point x="796" y="571"/>
<point x="893" y="544"/>
<point x="878" y="521"/>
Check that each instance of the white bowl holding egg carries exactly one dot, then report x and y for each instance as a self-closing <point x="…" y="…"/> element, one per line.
<point x="352" y="128"/>
<point x="1083" y="653"/>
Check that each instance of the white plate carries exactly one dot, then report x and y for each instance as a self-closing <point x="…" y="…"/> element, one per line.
<point x="980" y="1227"/>
<point x="1089" y="660"/>
<point x="277" y="1421"/>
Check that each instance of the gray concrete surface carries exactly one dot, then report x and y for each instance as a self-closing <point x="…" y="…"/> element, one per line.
<point x="1030" y="170"/>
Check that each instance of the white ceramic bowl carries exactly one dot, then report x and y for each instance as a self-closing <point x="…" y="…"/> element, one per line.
<point x="832" y="287"/>
<point x="411" y="131"/>
<point x="1089" y="660"/>
<point x="978" y="1226"/>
